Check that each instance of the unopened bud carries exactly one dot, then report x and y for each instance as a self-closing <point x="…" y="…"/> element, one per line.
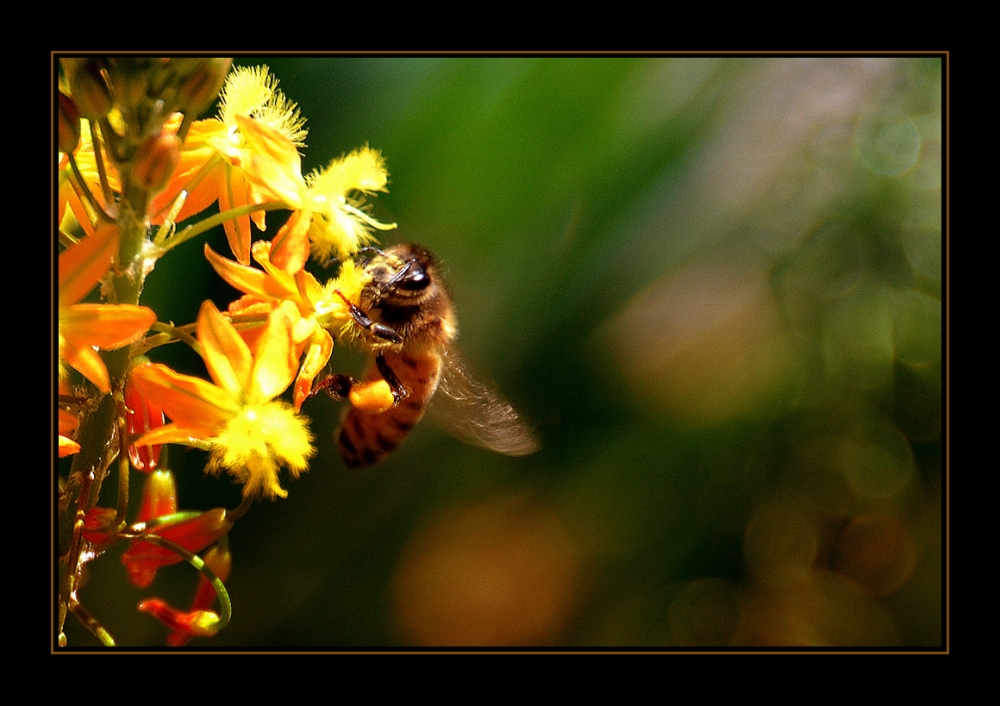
<point x="159" y="496"/>
<point x="198" y="90"/>
<point x="155" y="161"/>
<point x="90" y="90"/>
<point x="99" y="524"/>
<point x="131" y="81"/>
<point x="198" y="623"/>
<point x="69" y="124"/>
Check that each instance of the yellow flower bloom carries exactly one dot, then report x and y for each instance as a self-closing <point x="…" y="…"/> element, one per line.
<point x="331" y="216"/>
<point x="247" y="431"/>
<point x="83" y="328"/>
<point x="256" y="122"/>
<point x="321" y="308"/>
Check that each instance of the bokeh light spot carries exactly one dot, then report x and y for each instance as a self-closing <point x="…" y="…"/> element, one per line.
<point x="887" y="144"/>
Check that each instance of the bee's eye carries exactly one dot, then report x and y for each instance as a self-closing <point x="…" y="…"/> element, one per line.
<point x="415" y="279"/>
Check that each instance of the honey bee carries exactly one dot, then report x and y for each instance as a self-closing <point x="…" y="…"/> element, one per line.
<point x="411" y="324"/>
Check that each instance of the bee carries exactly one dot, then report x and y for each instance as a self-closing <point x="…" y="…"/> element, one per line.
<point x="411" y="323"/>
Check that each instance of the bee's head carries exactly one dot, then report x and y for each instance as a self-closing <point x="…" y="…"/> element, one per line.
<point x="401" y="275"/>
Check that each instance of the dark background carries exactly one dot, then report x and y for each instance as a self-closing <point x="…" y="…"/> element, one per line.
<point x="713" y="285"/>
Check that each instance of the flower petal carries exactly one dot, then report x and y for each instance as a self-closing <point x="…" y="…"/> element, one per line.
<point x="87" y="362"/>
<point x="189" y="401"/>
<point x="275" y="362"/>
<point x="317" y="356"/>
<point x="250" y="280"/>
<point x="226" y="354"/>
<point x="105" y="326"/>
<point x="291" y="243"/>
<point x="82" y="265"/>
<point x="272" y="162"/>
<point x="235" y="193"/>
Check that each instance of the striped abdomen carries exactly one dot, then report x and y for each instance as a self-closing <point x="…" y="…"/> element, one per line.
<point x="366" y="439"/>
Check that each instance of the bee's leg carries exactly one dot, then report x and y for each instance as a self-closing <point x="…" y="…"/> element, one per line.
<point x="337" y="385"/>
<point x="399" y="392"/>
<point x="362" y="320"/>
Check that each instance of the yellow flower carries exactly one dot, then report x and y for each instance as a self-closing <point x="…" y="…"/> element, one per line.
<point x="320" y="308"/>
<point x="83" y="328"/>
<point x="247" y="431"/>
<point x="331" y="215"/>
<point x="257" y="134"/>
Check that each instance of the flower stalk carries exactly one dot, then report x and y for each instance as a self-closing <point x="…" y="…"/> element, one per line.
<point x="137" y="161"/>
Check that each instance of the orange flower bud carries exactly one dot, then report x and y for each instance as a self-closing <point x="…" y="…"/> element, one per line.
<point x="155" y="161"/>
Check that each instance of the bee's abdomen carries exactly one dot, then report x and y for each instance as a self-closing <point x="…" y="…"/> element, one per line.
<point x="365" y="439"/>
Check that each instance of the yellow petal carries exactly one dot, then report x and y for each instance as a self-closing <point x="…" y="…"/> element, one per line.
<point x="291" y="243"/>
<point x="272" y="162"/>
<point x="250" y="280"/>
<point x="274" y="361"/>
<point x="226" y="354"/>
<point x="235" y="193"/>
<point x="67" y="447"/>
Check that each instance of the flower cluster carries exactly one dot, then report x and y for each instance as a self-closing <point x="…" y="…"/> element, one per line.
<point x="135" y="162"/>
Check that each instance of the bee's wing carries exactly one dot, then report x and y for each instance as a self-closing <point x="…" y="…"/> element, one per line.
<point x="477" y="414"/>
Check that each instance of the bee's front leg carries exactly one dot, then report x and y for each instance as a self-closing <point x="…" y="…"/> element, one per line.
<point x="362" y="319"/>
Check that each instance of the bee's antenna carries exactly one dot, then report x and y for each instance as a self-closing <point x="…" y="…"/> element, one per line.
<point x="370" y="248"/>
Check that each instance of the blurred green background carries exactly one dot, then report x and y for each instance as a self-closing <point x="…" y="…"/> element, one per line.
<point x="713" y="285"/>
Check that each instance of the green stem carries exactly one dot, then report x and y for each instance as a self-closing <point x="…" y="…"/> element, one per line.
<point x="98" y="435"/>
<point x="200" y="227"/>
<point x="80" y="185"/>
<point x="92" y="624"/>
<point x="226" y="606"/>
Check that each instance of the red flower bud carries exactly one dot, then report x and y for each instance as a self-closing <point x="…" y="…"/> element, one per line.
<point x="98" y="525"/>
<point x="219" y="560"/>
<point x="159" y="496"/>
<point x="198" y="623"/>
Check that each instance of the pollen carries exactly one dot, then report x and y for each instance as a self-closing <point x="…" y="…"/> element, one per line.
<point x="253" y="91"/>
<point x="257" y="442"/>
